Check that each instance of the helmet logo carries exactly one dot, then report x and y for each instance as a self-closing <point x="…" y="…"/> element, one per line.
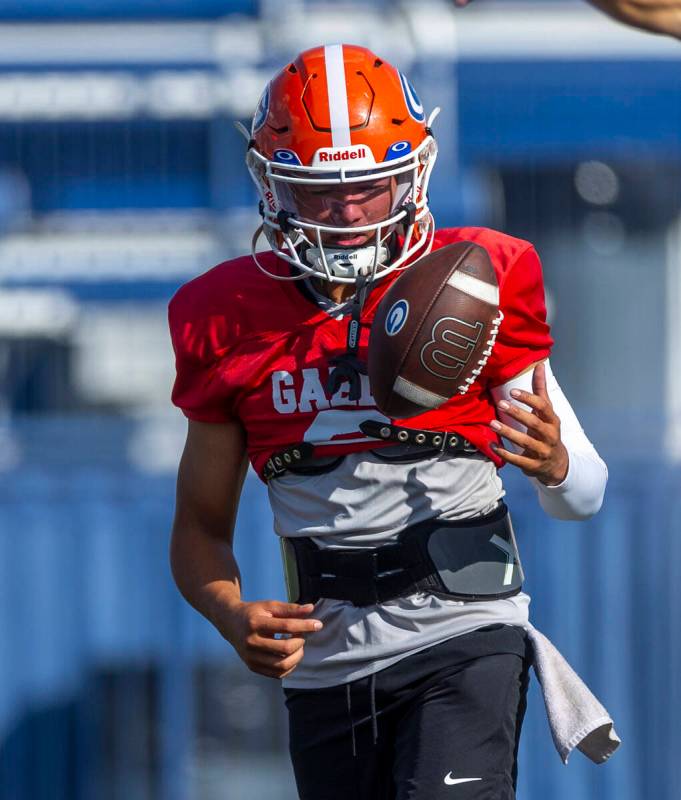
<point x="343" y="155"/>
<point x="261" y="111"/>
<point x="396" y="318"/>
<point x="283" y="156"/>
<point x="397" y="150"/>
<point x="271" y="202"/>
<point x="358" y="153"/>
<point x="414" y="105"/>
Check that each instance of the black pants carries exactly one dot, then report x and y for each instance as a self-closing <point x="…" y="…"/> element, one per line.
<point x="443" y="723"/>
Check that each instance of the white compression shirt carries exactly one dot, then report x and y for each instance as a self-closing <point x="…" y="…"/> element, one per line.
<point x="365" y="501"/>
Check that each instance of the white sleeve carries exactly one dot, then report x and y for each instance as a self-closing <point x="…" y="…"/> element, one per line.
<point x="580" y="495"/>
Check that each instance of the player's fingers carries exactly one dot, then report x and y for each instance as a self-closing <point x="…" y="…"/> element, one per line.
<point x="273" y="666"/>
<point x="543" y="425"/>
<point x="541" y="406"/>
<point x="523" y="440"/>
<point x="288" y="671"/>
<point x="539" y="381"/>
<point x="526" y="464"/>
<point x="280" y="648"/>
<point x="265" y="668"/>
<point x="530" y="420"/>
<point x="268" y="626"/>
<point x="286" y="665"/>
<point x="281" y="609"/>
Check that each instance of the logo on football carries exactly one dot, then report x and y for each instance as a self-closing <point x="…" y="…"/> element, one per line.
<point x="396" y="318"/>
<point x="450" y="347"/>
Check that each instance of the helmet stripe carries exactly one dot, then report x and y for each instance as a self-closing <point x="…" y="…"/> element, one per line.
<point x="338" y="95"/>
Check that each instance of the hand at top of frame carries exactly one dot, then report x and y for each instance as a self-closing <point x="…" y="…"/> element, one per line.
<point x="656" y="16"/>
<point x="542" y="453"/>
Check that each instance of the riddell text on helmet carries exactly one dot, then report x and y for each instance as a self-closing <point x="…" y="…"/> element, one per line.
<point x="342" y="155"/>
<point x="361" y="156"/>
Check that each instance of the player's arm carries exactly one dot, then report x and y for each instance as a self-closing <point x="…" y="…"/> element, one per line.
<point x="548" y="443"/>
<point x="657" y="16"/>
<point x="209" y="483"/>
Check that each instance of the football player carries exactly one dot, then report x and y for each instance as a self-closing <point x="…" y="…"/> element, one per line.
<point x="404" y="675"/>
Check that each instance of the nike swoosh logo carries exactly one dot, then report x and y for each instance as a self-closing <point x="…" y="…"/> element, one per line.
<point x="453" y="781"/>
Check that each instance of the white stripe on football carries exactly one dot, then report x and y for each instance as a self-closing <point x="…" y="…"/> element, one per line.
<point x="475" y="287"/>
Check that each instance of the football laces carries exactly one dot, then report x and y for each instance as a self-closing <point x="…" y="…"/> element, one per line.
<point x="496" y="322"/>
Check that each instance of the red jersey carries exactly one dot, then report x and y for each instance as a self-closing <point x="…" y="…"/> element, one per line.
<point x="255" y="349"/>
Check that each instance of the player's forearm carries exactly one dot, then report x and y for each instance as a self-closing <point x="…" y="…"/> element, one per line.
<point x="205" y="571"/>
<point x="658" y="16"/>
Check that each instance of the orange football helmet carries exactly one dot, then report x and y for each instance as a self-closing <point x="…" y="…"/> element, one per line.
<point x="339" y="119"/>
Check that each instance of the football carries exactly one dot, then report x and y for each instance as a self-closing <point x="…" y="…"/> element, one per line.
<point x="434" y="330"/>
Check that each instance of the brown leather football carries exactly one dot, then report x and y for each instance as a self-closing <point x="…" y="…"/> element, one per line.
<point x="434" y="330"/>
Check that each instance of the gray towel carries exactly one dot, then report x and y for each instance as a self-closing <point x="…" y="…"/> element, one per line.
<point x="576" y="718"/>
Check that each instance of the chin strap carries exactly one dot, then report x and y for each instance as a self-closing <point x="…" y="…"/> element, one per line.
<point x="348" y="367"/>
<point x="345" y="262"/>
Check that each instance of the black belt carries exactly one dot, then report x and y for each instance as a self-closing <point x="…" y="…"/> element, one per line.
<point x="298" y="457"/>
<point x="432" y="440"/>
<point x="474" y="559"/>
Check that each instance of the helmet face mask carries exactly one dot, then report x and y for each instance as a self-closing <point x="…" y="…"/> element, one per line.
<point x="342" y="205"/>
<point x="330" y="209"/>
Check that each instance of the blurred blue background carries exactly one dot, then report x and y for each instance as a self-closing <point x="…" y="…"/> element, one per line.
<point x="121" y="176"/>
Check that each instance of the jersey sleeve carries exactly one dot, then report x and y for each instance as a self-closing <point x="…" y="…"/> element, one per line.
<point x="199" y="389"/>
<point x="524" y="335"/>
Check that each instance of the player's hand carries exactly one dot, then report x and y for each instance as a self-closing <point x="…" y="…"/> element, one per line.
<point x="253" y="630"/>
<point x="542" y="453"/>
